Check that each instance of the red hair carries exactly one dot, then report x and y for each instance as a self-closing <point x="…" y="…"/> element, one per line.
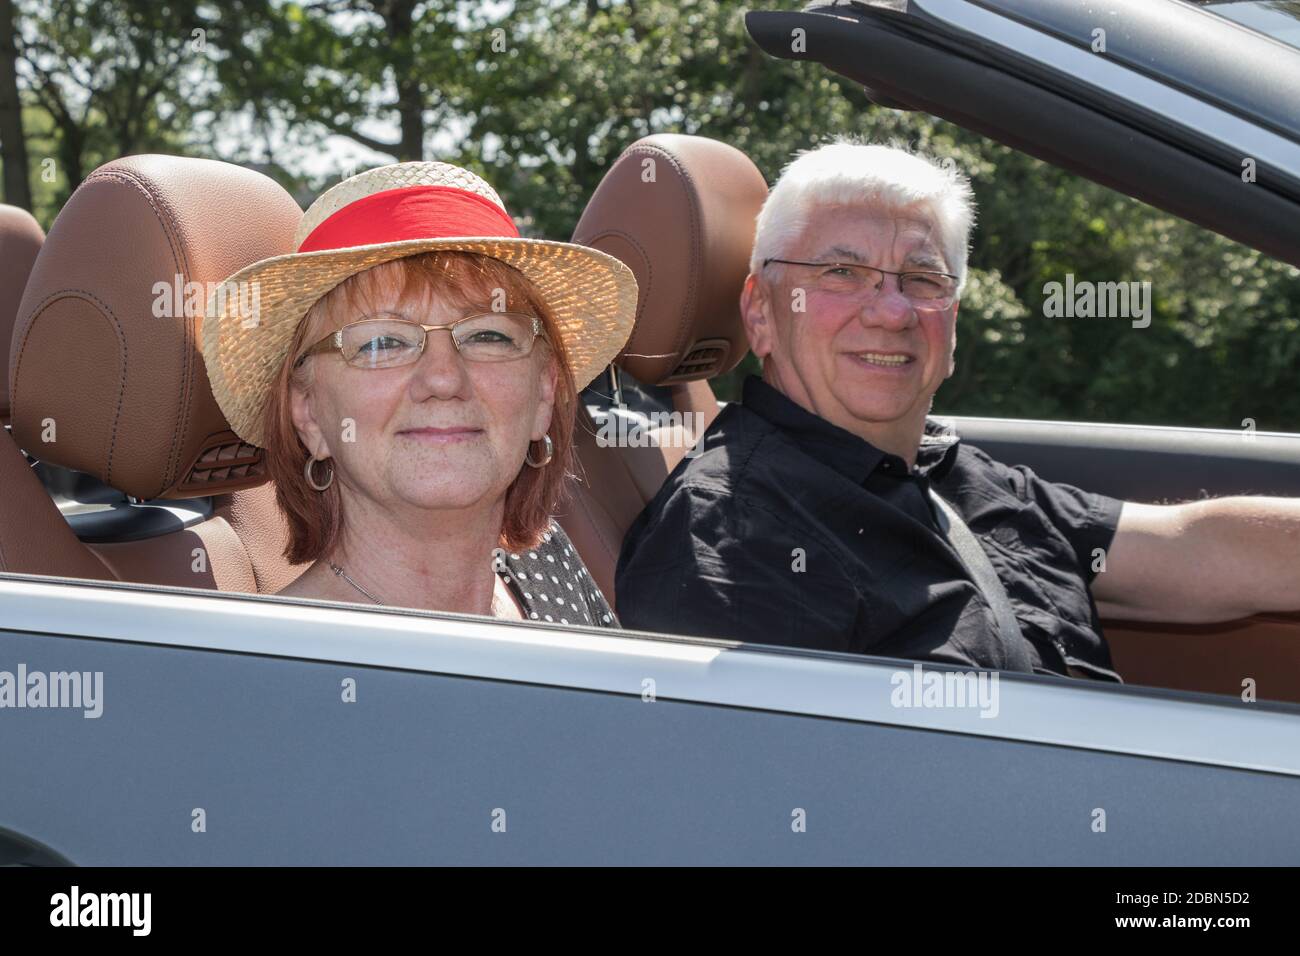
<point x="466" y="280"/>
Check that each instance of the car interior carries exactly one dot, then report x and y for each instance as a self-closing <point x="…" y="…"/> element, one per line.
<point x="20" y="242"/>
<point x="119" y="466"/>
<point x="159" y="490"/>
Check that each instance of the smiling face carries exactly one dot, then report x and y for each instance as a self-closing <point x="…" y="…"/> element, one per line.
<point x="443" y="433"/>
<point x="869" y="366"/>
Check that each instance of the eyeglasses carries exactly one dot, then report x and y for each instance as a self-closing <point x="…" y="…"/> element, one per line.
<point x="389" y="341"/>
<point x="927" y="290"/>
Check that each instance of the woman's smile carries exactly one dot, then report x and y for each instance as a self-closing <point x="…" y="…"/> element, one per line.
<point x="442" y="436"/>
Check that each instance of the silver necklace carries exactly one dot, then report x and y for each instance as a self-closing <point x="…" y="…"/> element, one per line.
<point x="498" y="606"/>
<point x="344" y="575"/>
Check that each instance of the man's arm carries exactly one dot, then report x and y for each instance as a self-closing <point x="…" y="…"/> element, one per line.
<point x="1203" y="561"/>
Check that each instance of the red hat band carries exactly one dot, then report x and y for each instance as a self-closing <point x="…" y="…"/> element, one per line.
<point x="410" y="212"/>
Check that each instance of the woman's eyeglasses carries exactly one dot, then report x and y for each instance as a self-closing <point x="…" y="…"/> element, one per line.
<point x="391" y="341"/>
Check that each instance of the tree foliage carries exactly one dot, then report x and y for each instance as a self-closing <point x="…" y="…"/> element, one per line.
<point x="540" y="96"/>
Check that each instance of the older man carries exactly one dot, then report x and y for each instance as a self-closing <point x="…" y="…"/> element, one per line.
<point x="827" y="511"/>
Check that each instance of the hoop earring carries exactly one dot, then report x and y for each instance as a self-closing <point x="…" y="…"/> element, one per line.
<point x="550" y="453"/>
<point x="311" y="460"/>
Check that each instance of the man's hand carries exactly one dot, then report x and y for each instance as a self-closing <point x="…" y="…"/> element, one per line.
<point x="1203" y="561"/>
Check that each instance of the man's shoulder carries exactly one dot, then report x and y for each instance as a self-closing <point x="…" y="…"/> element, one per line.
<point x="967" y="460"/>
<point x="737" y="454"/>
<point x="732" y="468"/>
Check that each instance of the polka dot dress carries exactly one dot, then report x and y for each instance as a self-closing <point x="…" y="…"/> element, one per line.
<point x="552" y="585"/>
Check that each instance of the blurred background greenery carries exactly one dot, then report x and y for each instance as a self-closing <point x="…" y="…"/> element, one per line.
<point x="540" y="96"/>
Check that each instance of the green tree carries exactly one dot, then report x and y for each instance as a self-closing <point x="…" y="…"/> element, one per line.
<point x="346" y="67"/>
<point x="542" y="95"/>
<point x="13" y="137"/>
<point x="116" y="77"/>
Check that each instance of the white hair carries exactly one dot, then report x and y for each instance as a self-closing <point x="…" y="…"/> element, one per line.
<point x="891" y="178"/>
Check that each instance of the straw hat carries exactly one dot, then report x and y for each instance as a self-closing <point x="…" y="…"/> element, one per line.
<point x="385" y="214"/>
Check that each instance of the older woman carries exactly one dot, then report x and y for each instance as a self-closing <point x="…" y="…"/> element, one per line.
<point x="412" y="373"/>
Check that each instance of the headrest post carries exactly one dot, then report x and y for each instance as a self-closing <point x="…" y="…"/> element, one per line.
<point x="615" y="386"/>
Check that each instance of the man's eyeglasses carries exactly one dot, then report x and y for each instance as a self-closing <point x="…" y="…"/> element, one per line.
<point x="926" y="290"/>
<point x="389" y="341"/>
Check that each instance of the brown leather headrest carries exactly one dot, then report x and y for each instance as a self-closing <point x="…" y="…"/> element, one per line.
<point x="20" y="240"/>
<point x="680" y="212"/>
<point x="106" y="369"/>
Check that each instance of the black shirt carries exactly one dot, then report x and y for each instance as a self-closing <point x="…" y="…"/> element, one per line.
<point x="551" y="583"/>
<point x="788" y="530"/>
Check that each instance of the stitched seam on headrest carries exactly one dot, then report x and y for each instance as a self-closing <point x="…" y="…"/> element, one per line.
<point x="650" y="269"/>
<point x="171" y="474"/>
<point x="35" y="313"/>
<point x="692" y="290"/>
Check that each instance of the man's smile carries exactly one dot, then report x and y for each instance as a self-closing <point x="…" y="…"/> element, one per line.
<point x="883" y="360"/>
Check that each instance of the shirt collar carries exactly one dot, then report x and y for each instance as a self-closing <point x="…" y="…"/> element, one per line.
<point x="851" y="456"/>
<point x="938" y="448"/>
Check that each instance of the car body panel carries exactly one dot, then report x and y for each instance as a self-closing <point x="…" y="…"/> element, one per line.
<point x="234" y="706"/>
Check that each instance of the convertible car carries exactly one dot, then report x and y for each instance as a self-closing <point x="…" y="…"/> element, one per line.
<point x="212" y="722"/>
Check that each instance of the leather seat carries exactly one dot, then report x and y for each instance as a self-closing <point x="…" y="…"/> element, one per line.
<point x="127" y="391"/>
<point x="20" y="241"/>
<point x="680" y="211"/>
<point x="106" y="376"/>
